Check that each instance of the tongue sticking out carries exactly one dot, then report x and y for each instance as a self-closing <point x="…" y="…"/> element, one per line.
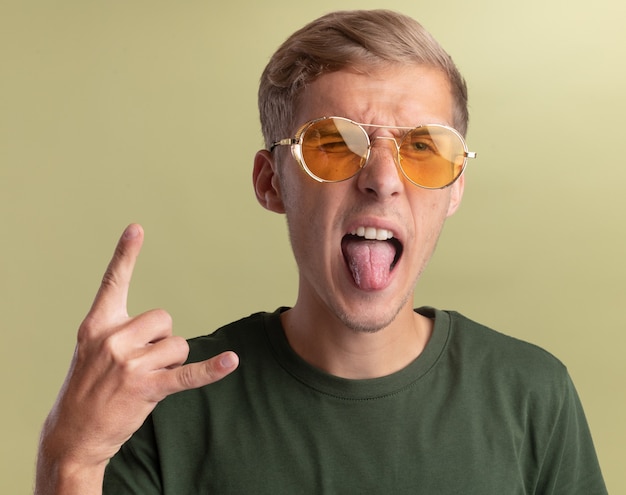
<point x="369" y="261"/>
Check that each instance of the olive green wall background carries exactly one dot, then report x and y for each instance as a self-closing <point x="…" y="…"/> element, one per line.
<point x="145" y="111"/>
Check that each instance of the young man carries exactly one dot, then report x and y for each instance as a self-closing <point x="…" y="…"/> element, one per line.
<point x="351" y="390"/>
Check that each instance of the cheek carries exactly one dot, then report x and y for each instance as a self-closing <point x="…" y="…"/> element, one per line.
<point x="430" y="216"/>
<point x="308" y="243"/>
<point x="305" y="200"/>
<point x="302" y="217"/>
<point x="311" y="219"/>
<point x="293" y="185"/>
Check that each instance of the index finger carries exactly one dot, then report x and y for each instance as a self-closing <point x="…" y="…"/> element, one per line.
<point x="111" y="299"/>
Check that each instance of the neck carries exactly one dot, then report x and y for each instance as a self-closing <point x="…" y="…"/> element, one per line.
<point x="329" y="345"/>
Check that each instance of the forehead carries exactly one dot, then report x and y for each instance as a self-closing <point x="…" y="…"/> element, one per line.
<point x="394" y="95"/>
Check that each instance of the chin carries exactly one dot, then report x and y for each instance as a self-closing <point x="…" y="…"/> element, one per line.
<point x="371" y="320"/>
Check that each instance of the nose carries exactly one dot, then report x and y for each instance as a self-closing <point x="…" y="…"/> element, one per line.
<point x="381" y="175"/>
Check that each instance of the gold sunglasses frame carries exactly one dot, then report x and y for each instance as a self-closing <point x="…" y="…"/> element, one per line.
<point x="296" y="147"/>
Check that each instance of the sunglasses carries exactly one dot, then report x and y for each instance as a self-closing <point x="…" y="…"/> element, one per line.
<point x="333" y="149"/>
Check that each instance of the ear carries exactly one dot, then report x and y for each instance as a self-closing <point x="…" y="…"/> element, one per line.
<point x="266" y="182"/>
<point x="456" y="194"/>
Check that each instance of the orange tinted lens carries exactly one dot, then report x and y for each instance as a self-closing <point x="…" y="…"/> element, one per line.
<point x="432" y="156"/>
<point x="334" y="149"/>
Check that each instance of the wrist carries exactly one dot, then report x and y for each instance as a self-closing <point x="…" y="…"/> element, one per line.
<point x="64" y="477"/>
<point x="62" y="470"/>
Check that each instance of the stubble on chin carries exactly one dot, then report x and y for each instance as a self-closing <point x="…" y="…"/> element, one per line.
<point x="373" y="320"/>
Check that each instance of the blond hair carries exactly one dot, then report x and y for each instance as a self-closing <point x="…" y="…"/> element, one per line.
<point x="358" y="39"/>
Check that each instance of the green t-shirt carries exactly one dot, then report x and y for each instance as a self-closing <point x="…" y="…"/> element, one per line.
<point x="476" y="413"/>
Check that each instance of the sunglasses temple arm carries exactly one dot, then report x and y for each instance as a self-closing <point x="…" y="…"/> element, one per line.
<point x="283" y="142"/>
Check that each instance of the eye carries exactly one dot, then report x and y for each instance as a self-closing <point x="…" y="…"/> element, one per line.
<point x="333" y="146"/>
<point x="420" y="145"/>
<point x="325" y="140"/>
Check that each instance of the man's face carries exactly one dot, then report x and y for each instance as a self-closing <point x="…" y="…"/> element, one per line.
<point x="362" y="282"/>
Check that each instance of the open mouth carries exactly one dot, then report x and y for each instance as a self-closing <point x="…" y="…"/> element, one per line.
<point x="371" y="255"/>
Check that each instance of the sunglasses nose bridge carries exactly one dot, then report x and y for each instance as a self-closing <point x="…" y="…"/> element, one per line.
<point x="385" y="138"/>
<point x="396" y="146"/>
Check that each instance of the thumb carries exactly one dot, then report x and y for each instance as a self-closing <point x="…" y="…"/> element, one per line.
<point x="196" y="375"/>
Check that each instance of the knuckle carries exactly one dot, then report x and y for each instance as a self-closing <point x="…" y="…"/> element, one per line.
<point x="156" y="323"/>
<point x="113" y="275"/>
<point x="110" y="277"/>
<point x="178" y="352"/>
<point x="186" y="377"/>
<point x="115" y="350"/>
<point x="163" y="317"/>
<point x="87" y="330"/>
<point x="195" y="375"/>
<point x="91" y="329"/>
<point x="180" y="347"/>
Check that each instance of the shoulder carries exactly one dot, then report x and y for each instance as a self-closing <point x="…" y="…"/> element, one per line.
<point x="499" y="359"/>
<point x="239" y="336"/>
<point x="486" y="342"/>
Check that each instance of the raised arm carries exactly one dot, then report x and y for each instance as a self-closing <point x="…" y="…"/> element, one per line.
<point x="122" y="367"/>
